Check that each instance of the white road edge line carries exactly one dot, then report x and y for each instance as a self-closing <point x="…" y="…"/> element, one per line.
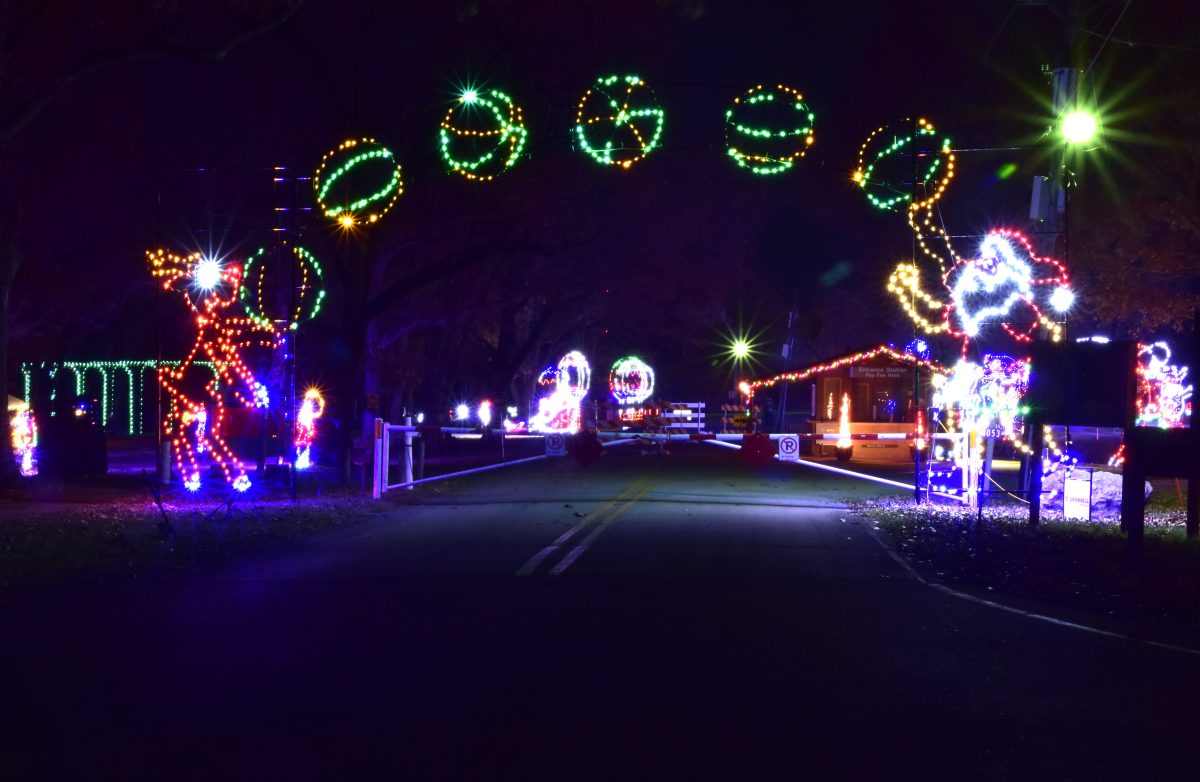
<point x="1013" y="609"/>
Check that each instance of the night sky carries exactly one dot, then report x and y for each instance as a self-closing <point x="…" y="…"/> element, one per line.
<point x="179" y="150"/>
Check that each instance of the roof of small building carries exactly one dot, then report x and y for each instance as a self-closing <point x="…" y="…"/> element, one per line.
<point x="800" y="375"/>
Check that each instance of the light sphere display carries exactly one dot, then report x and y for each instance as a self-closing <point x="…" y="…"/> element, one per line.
<point x="619" y="121"/>
<point x="358" y="182"/>
<point x="768" y="129"/>
<point x="482" y="135"/>
<point x="282" y="288"/>
<point x="631" y="381"/>
<point x="893" y="155"/>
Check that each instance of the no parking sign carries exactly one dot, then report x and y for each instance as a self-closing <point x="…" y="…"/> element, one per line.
<point x="556" y="445"/>
<point x="789" y="448"/>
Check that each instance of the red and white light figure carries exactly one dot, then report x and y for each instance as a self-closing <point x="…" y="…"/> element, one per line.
<point x="559" y="410"/>
<point x="209" y="287"/>
<point x="311" y="408"/>
<point x="1007" y="283"/>
<point x="24" y="438"/>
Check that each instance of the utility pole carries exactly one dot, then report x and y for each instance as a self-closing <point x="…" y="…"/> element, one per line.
<point x="1051" y="198"/>
<point x="789" y="347"/>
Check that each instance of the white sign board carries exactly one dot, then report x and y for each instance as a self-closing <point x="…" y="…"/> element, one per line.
<point x="1077" y="495"/>
<point x="556" y="445"/>
<point x="789" y="448"/>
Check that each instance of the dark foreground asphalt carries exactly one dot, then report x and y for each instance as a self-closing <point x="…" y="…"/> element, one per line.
<point x="692" y="621"/>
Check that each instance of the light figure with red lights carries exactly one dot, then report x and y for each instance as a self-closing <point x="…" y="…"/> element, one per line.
<point x="209" y="287"/>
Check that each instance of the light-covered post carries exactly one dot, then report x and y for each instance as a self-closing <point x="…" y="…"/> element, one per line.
<point x="379" y="471"/>
<point x="408" y="453"/>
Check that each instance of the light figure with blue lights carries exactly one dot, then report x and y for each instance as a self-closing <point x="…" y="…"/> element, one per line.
<point x="311" y="408"/>
<point x="977" y="401"/>
<point x="559" y="411"/>
<point x="197" y="397"/>
<point x="1164" y="397"/>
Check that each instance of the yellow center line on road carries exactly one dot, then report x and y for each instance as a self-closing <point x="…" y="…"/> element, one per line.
<point x="577" y="552"/>
<point x="599" y="513"/>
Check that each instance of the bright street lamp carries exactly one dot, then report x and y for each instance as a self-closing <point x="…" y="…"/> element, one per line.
<point x="1079" y="127"/>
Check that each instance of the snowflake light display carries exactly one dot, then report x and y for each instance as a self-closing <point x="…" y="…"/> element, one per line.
<point x="768" y="129"/>
<point x="311" y="408"/>
<point x="558" y="411"/>
<point x="358" y="182"/>
<point x="619" y="121"/>
<point x="482" y="135"/>
<point x="192" y="390"/>
<point x="631" y="381"/>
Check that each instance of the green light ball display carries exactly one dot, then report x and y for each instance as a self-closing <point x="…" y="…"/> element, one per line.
<point x="904" y="165"/>
<point x="767" y="129"/>
<point x="619" y="121"/>
<point x="282" y="287"/>
<point x="482" y="135"/>
<point x="358" y="182"/>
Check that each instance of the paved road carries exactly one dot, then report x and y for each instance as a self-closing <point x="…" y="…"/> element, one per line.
<point x="646" y="618"/>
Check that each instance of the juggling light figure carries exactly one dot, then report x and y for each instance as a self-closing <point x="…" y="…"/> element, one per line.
<point x="1006" y="283"/>
<point x="209" y="287"/>
<point x="311" y="408"/>
<point x="559" y="410"/>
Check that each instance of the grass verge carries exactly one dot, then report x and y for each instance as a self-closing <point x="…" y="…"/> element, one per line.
<point x="1080" y="565"/>
<point x="130" y="540"/>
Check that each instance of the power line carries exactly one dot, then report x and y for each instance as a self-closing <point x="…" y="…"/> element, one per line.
<point x="1111" y="30"/>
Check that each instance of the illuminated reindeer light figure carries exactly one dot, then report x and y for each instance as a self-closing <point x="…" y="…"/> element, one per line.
<point x="209" y="287"/>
